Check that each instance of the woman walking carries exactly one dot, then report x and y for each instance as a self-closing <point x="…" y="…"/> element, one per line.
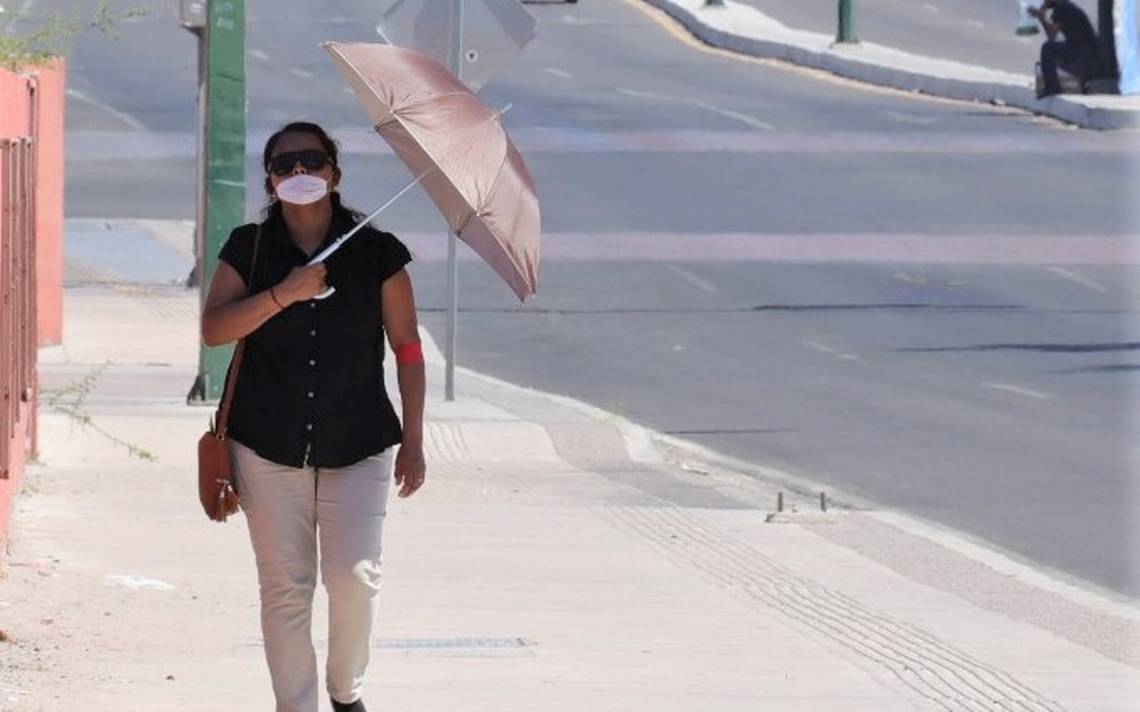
<point x="312" y="432"/>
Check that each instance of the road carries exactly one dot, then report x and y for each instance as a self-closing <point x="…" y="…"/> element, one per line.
<point x="970" y="31"/>
<point x="926" y="304"/>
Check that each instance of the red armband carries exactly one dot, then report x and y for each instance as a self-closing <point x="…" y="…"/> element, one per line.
<point x="410" y="353"/>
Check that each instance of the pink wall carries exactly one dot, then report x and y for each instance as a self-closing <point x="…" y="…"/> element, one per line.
<point x="49" y="203"/>
<point x="31" y="104"/>
<point x="46" y="86"/>
<point x="18" y="447"/>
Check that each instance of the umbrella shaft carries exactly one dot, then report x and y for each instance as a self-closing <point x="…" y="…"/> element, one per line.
<point x="325" y="253"/>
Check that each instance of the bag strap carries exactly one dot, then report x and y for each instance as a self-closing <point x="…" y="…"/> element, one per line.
<point x="235" y="363"/>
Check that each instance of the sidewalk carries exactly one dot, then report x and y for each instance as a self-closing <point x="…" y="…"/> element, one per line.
<point x="740" y="27"/>
<point x="558" y="559"/>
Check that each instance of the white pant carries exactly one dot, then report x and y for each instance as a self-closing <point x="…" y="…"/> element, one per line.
<point x="286" y="508"/>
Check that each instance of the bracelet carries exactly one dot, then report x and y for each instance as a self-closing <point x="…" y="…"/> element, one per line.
<point x="274" y="298"/>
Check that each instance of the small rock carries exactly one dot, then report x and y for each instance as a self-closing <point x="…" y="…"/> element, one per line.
<point x="47" y="620"/>
<point x="170" y="677"/>
<point x="3" y="637"/>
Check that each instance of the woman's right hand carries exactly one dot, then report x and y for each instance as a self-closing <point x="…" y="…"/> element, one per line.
<point x="303" y="283"/>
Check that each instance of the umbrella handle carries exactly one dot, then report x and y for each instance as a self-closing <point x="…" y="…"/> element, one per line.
<point x="325" y="294"/>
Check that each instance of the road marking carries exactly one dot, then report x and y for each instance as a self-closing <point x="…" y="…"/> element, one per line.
<point x="1083" y="281"/>
<point x="258" y="54"/>
<point x="976" y="23"/>
<point x="929" y="7"/>
<point x="1018" y="390"/>
<point x="557" y="72"/>
<point x="728" y="113"/>
<point x="910" y="118"/>
<point x="568" y="19"/>
<point x="126" y="118"/>
<point x="302" y="73"/>
<point x="825" y="349"/>
<point x="909" y="279"/>
<point x="691" y="278"/>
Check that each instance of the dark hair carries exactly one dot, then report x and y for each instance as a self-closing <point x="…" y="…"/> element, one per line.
<point x="273" y="208"/>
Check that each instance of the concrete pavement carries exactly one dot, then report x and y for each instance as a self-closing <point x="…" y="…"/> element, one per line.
<point x="740" y="27"/>
<point x="558" y="559"/>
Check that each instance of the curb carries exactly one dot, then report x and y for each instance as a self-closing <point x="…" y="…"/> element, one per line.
<point x="1021" y="97"/>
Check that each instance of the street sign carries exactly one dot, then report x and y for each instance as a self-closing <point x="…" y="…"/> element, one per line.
<point x="492" y="32"/>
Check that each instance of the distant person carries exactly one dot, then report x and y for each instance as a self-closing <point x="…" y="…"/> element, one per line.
<point x="1078" y="53"/>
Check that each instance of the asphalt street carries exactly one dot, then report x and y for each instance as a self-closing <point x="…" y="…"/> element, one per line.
<point x="970" y="31"/>
<point x="927" y="304"/>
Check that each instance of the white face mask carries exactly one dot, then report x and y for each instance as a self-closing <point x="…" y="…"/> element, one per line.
<point x="302" y="189"/>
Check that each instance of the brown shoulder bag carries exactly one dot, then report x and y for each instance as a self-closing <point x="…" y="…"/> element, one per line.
<point x="216" y="489"/>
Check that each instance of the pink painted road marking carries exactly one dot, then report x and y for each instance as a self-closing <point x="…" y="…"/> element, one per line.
<point x="761" y="247"/>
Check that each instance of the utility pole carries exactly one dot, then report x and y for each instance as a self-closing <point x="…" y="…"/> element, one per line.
<point x="455" y="64"/>
<point x="220" y="27"/>
<point x="846" y="33"/>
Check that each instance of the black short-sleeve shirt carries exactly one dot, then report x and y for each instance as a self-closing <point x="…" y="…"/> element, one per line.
<point x="310" y="391"/>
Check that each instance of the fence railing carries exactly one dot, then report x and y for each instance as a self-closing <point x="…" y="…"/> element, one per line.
<point x="18" y="381"/>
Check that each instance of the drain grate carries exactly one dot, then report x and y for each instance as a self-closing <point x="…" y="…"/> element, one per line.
<point x="452" y="643"/>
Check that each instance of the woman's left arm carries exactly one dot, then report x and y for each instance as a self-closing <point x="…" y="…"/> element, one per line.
<point x="399" y="307"/>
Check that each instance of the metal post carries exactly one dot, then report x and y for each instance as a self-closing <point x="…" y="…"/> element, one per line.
<point x="846" y="33"/>
<point x="222" y="197"/>
<point x="455" y="64"/>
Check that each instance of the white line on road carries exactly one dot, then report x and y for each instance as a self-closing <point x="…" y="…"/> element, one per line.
<point x="1083" y="281"/>
<point x="825" y="349"/>
<point x="302" y="73"/>
<point x="929" y="7"/>
<point x="691" y="278"/>
<point x="1018" y="390"/>
<point x="560" y="73"/>
<point x="910" y="118"/>
<point x="976" y="23"/>
<point x="258" y="54"/>
<point x="126" y="118"/>
<point x="728" y="113"/>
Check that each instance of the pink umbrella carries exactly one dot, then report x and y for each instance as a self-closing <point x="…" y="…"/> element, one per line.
<point x="457" y="147"/>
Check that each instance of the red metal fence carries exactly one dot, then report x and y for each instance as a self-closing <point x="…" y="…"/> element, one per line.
<point x="18" y="338"/>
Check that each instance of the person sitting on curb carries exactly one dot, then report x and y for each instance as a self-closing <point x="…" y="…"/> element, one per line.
<point x="1077" y="54"/>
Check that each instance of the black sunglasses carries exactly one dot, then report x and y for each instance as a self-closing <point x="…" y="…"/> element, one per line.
<point x="311" y="159"/>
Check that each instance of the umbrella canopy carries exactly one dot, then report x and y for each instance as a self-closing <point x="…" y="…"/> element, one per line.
<point x="474" y="174"/>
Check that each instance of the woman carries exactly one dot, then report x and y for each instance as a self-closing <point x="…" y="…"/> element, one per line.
<point x="311" y="428"/>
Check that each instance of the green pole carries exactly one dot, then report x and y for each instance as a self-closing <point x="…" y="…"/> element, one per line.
<point x="224" y="165"/>
<point x="846" y="22"/>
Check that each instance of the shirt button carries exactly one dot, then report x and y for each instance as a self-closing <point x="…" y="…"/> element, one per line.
<point x="312" y="305"/>
<point x="312" y="332"/>
<point x="312" y="362"/>
<point x="310" y="394"/>
<point x="309" y="426"/>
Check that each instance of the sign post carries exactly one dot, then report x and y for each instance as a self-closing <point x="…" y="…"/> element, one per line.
<point x="221" y="172"/>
